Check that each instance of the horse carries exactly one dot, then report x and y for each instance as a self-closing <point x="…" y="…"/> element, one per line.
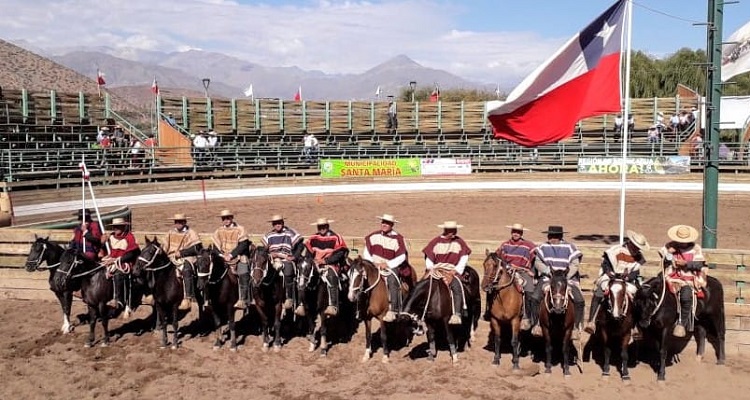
<point x="506" y="306"/>
<point x="656" y="310"/>
<point x="368" y="285"/>
<point x="268" y="293"/>
<point x="614" y="326"/>
<point x="311" y="282"/>
<point x="432" y="299"/>
<point x="96" y="289"/>
<point x="556" y="318"/>
<point x="45" y="252"/>
<point x="222" y="290"/>
<point x="168" y="291"/>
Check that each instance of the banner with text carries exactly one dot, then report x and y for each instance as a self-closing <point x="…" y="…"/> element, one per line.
<point x="446" y="166"/>
<point x="635" y="165"/>
<point x="338" y="168"/>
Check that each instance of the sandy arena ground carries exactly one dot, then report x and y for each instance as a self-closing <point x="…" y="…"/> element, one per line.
<point x="39" y="362"/>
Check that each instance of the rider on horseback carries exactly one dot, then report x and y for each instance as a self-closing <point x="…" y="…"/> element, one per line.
<point x="684" y="270"/>
<point x="517" y="255"/>
<point x="123" y="252"/>
<point x="284" y="246"/>
<point x="231" y="242"/>
<point x="89" y="233"/>
<point x="625" y="260"/>
<point x="329" y="252"/>
<point x="558" y="254"/>
<point x="449" y="254"/>
<point x="386" y="249"/>
<point x="182" y="245"/>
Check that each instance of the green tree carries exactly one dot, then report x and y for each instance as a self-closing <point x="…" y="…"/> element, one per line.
<point x="423" y="94"/>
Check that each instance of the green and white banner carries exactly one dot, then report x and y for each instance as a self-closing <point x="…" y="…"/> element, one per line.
<point x="393" y="167"/>
<point x="635" y="165"/>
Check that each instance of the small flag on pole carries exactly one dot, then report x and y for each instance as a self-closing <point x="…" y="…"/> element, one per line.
<point x="100" y="78"/>
<point x="497" y="91"/>
<point x="377" y="92"/>
<point x="249" y="91"/>
<point x="735" y="55"/>
<point x="155" y="87"/>
<point x="435" y="95"/>
<point x="298" y="95"/>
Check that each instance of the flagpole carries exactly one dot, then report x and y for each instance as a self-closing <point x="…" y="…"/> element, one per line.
<point x="626" y="112"/>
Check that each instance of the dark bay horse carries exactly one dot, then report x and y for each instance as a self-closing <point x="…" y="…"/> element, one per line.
<point x="431" y="303"/>
<point x="313" y="289"/>
<point x="46" y="255"/>
<point x="268" y="292"/>
<point x="161" y="278"/>
<point x="615" y="324"/>
<point x="656" y="310"/>
<point x="556" y="318"/>
<point x="506" y="307"/>
<point x="367" y="284"/>
<point x="222" y="291"/>
<point x="96" y="289"/>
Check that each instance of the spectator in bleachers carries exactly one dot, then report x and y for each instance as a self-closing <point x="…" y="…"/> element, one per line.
<point x="697" y="146"/>
<point x="149" y="144"/>
<point x="119" y="137"/>
<point x="674" y="122"/>
<point x="171" y="121"/>
<point x="136" y="153"/>
<point x="103" y="131"/>
<point x="631" y="122"/>
<point x="106" y="142"/>
<point x="212" y="147"/>
<point x="684" y="120"/>
<point x="392" y="123"/>
<point x="724" y="152"/>
<point x="310" y="147"/>
<point x="694" y="114"/>
<point x="199" y="147"/>
<point x="618" y="123"/>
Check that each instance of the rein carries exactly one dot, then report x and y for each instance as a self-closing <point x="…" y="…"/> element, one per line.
<point x="362" y="282"/>
<point x="152" y="260"/>
<point x="210" y="272"/>
<point x="39" y="260"/>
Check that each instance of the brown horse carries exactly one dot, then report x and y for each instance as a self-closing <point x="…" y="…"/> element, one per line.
<point x="506" y="305"/>
<point x="615" y="325"/>
<point x="366" y="280"/>
<point x="556" y="318"/>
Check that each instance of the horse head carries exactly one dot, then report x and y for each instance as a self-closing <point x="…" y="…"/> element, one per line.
<point x="151" y="252"/>
<point x="305" y="271"/>
<point x="617" y="295"/>
<point x="260" y="262"/>
<point x="492" y="269"/>
<point x="647" y="300"/>
<point x="204" y="266"/>
<point x="357" y="277"/>
<point x="558" y="291"/>
<point x="71" y="263"/>
<point x="40" y="252"/>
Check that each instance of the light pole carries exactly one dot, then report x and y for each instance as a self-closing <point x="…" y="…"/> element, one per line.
<point x="413" y="86"/>
<point x="206" y="83"/>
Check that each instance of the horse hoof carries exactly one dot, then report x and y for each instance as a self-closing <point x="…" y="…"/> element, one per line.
<point x="454" y="359"/>
<point x="87" y="345"/>
<point x="365" y="358"/>
<point x="385" y="360"/>
<point x="174" y="347"/>
<point x="216" y="348"/>
<point x="233" y="349"/>
<point x="516" y="370"/>
<point x="699" y="359"/>
<point x="323" y="354"/>
<point x="265" y="348"/>
<point x="661" y="380"/>
<point x="276" y="348"/>
<point x="605" y="375"/>
<point x="311" y="348"/>
<point x="104" y="344"/>
<point x="495" y="363"/>
<point x="548" y="371"/>
<point x="720" y="362"/>
<point x="626" y="378"/>
<point x="567" y="376"/>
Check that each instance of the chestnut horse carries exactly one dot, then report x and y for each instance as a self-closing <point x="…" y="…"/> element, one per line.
<point x="614" y="326"/>
<point x="506" y="306"/>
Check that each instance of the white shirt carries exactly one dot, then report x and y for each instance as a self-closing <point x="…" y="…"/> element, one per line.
<point x="212" y="140"/>
<point x="200" y="142"/>
<point x="136" y="147"/>
<point x="310" y="141"/>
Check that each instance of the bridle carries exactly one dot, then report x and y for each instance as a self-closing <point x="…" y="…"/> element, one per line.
<point x="263" y="267"/>
<point x="625" y="306"/>
<point x="355" y="273"/>
<point x="553" y="297"/>
<point x="38" y="262"/>
<point x="211" y="271"/>
<point x="147" y="263"/>
<point x="499" y="268"/>
<point x="76" y="262"/>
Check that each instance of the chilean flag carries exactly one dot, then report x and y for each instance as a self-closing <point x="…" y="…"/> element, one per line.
<point x="298" y="95"/>
<point x="100" y="78"/>
<point x="581" y="80"/>
<point x="155" y="87"/>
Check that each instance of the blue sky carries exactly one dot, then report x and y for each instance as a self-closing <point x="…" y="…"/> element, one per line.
<point x="483" y="40"/>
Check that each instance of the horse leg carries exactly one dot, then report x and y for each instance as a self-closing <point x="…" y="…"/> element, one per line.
<point x="624" y="373"/>
<point x="495" y="326"/>
<point x="566" y="351"/>
<point x="432" y="352"/>
<point x="175" y="327"/>
<point x="720" y="326"/>
<point x="217" y="330"/>
<point x="451" y="341"/>
<point x="515" y="343"/>
<point x="323" y="335"/>
<point x="66" y="299"/>
<point x="700" y="341"/>
<point x="92" y="327"/>
<point x="547" y="350"/>
<point x="368" y="339"/>
<point x="661" y="376"/>
<point x="384" y="342"/>
<point x="161" y="320"/>
<point x="232" y="331"/>
<point x="104" y="312"/>
<point x="277" y="328"/>
<point x="607" y="351"/>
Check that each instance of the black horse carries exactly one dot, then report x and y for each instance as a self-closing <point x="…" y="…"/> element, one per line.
<point x="46" y="255"/>
<point x="268" y="293"/>
<point x="160" y="274"/>
<point x="656" y="309"/>
<point x="222" y="290"/>
<point x="96" y="289"/>
<point x="615" y="325"/>
<point x="556" y="318"/>
<point x="315" y="297"/>
<point x="431" y="303"/>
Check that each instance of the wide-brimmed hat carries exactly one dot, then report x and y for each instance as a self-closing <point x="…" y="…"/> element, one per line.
<point x="555" y="230"/>
<point x="179" y="217"/>
<point x="81" y="213"/>
<point x="682" y="234"/>
<point x="450" y="225"/>
<point x="104" y="128"/>
<point x="516" y="227"/>
<point x="387" y="217"/>
<point x="119" y="222"/>
<point x="276" y="217"/>
<point x="212" y="133"/>
<point x="322" y="221"/>
<point x="638" y="240"/>
<point x="226" y="213"/>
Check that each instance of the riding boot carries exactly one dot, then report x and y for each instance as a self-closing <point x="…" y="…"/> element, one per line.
<point x="527" y="321"/>
<point x="241" y="304"/>
<point x="333" y="294"/>
<point x="590" y="327"/>
<point x="488" y="305"/>
<point x="289" y="288"/>
<point x="457" y="301"/>
<point x="686" y="299"/>
<point x="580" y="309"/>
<point x="187" y="280"/>
<point x="116" y="289"/>
<point x="394" y="297"/>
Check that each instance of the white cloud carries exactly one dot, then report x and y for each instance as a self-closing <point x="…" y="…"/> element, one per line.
<point x="331" y="36"/>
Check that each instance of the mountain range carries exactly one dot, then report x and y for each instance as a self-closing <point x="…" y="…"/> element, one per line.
<point x="130" y="72"/>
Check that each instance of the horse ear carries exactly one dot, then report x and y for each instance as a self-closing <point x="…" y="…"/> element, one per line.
<point x="46" y="238"/>
<point x="36" y="237"/>
<point x="486" y="252"/>
<point x="147" y="240"/>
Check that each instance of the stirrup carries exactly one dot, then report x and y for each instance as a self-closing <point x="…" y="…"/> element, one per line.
<point x="537" y="331"/>
<point x="300" y="311"/>
<point x="113" y="303"/>
<point x="240" y="304"/>
<point x="525" y="324"/>
<point x="331" y="311"/>
<point x="590" y="328"/>
<point x="455" y="320"/>
<point x="390" y="316"/>
<point x="288" y="304"/>
<point x="679" y="331"/>
<point x="184" y="305"/>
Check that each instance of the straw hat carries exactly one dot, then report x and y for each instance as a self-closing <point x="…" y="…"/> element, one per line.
<point x="179" y="217"/>
<point x="119" y="222"/>
<point x="638" y="240"/>
<point x="104" y="128"/>
<point x="322" y="221"/>
<point x="387" y="217"/>
<point x="682" y="234"/>
<point x="276" y="217"/>
<point x="516" y="227"/>
<point x="554" y="230"/>
<point x="226" y="213"/>
<point x="212" y="133"/>
<point x="450" y="225"/>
